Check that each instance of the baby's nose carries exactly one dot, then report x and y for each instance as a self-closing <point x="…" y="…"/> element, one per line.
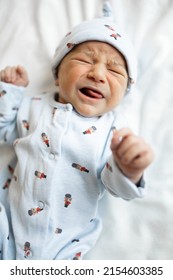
<point x="97" y="73"/>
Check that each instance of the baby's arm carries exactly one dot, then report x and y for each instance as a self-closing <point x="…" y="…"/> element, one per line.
<point x="12" y="83"/>
<point x="131" y="154"/>
<point x="16" y="75"/>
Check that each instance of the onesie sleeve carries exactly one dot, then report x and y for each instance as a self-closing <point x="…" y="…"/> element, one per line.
<point x="113" y="179"/>
<point x="10" y="99"/>
<point x="118" y="184"/>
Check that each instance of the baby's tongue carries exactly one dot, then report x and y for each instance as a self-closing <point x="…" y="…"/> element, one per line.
<point x="91" y="93"/>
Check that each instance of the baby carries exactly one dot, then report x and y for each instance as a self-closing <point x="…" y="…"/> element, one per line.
<point x="71" y="146"/>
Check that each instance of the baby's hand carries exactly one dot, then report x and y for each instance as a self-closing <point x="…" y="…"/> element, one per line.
<point x="15" y="75"/>
<point x="131" y="153"/>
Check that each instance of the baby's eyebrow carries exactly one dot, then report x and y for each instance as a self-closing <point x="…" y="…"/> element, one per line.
<point x="89" y="53"/>
<point x="110" y="61"/>
<point x="114" y="62"/>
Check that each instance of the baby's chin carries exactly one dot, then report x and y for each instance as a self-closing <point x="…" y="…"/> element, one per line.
<point x="88" y="112"/>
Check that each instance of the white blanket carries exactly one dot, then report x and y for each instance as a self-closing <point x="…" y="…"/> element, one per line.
<point x="30" y="31"/>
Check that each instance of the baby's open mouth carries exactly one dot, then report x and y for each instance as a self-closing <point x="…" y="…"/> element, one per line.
<point x="92" y="93"/>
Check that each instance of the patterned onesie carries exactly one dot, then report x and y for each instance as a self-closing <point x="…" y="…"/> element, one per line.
<point x="64" y="165"/>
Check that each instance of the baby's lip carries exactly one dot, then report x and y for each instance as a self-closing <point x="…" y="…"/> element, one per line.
<point x="92" y="92"/>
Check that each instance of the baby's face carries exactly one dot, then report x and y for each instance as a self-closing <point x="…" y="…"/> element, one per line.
<point x="93" y="78"/>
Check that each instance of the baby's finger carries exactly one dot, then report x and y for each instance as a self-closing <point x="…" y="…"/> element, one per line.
<point x="138" y="156"/>
<point x="7" y="73"/>
<point x="13" y="74"/>
<point x="2" y="76"/>
<point x="23" y="73"/>
<point x="118" y="136"/>
<point x="133" y="153"/>
<point x="126" y="144"/>
<point x="143" y="159"/>
<point x="21" y="70"/>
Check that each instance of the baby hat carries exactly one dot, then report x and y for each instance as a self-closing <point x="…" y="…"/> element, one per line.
<point x="102" y="29"/>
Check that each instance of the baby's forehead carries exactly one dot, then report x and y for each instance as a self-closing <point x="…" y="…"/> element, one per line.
<point x="95" y="49"/>
<point x="95" y="46"/>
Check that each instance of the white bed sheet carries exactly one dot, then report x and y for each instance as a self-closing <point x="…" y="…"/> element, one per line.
<point x="30" y="31"/>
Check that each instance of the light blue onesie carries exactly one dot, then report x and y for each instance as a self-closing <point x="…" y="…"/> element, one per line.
<point x="64" y="165"/>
